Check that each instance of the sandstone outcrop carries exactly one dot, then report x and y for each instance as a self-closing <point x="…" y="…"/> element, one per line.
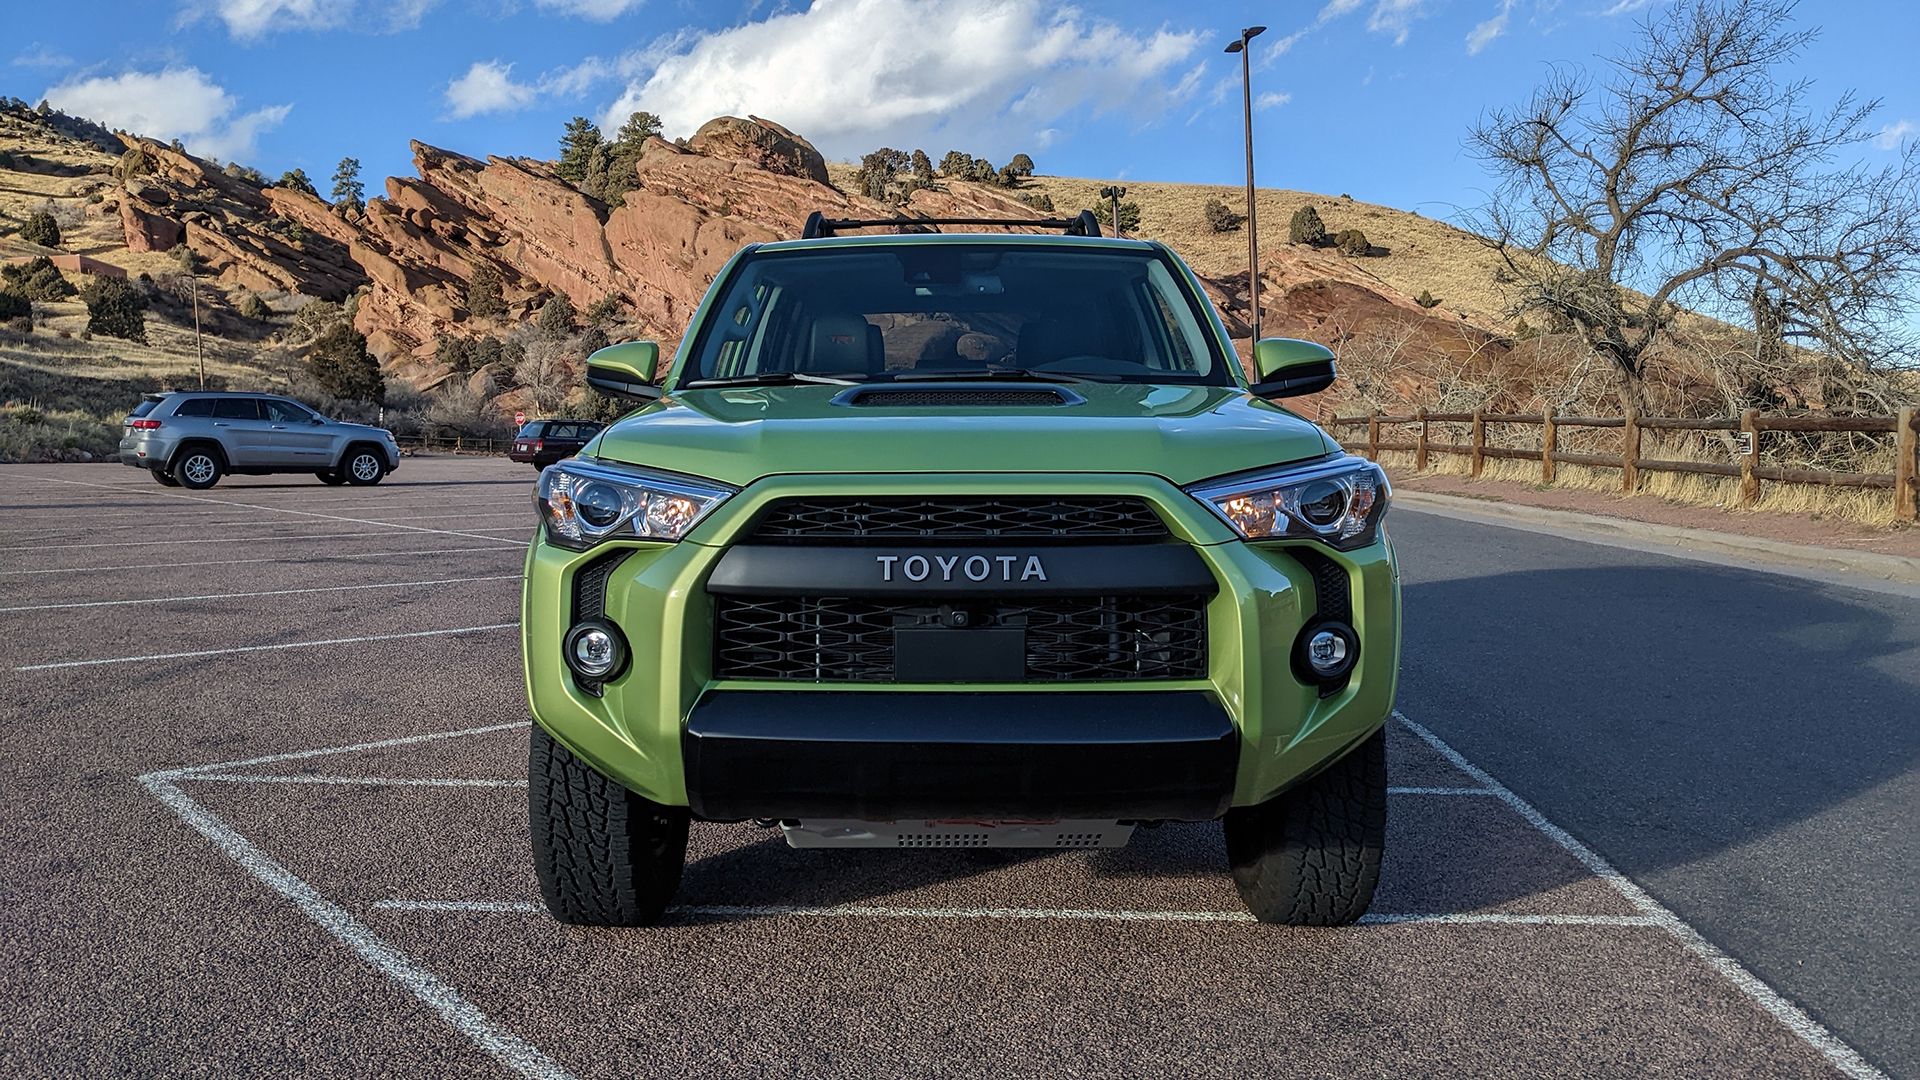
<point x="760" y="143"/>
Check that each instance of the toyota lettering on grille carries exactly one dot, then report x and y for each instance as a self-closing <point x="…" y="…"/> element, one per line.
<point x="975" y="568"/>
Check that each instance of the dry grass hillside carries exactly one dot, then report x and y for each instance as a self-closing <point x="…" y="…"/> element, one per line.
<point x="1416" y="253"/>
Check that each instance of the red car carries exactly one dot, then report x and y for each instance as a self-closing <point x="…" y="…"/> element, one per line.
<point x="542" y="442"/>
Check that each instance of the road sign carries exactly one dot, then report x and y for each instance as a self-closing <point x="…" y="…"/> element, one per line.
<point x="1743" y="444"/>
<point x="519" y="418"/>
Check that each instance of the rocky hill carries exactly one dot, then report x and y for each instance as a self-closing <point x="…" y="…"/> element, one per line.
<point x="407" y="261"/>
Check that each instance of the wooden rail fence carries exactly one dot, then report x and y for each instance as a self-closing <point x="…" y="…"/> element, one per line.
<point x="458" y="444"/>
<point x="1902" y="482"/>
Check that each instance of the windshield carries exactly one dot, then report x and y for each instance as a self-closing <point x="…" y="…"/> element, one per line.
<point x="950" y="310"/>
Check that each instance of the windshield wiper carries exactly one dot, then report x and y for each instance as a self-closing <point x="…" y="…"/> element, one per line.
<point x="768" y="378"/>
<point x="1023" y="374"/>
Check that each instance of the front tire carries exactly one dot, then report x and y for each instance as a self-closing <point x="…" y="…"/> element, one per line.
<point x="604" y="855"/>
<point x="197" y="468"/>
<point x="164" y="478"/>
<point x="363" y="466"/>
<point x="1311" y="856"/>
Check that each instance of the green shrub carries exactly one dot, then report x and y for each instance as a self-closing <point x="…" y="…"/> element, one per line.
<point x="878" y="170"/>
<point x="456" y="353"/>
<point x="1426" y="300"/>
<point x="922" y="167"/>
<point x="592" y="340"/>
<point x="1307" y="228"/>
<point x="1040" y="202"/>
<point x="956" y="165"/>
<point x="1129" y="215"/>
<point x="484" y="299"/>
<point x="604" y="311"/>
<point x="116" y="309"/>
<point x="1220" y="218"/>
<point x="134" y="162"/>
<point x="13" y="306"/>
<point x="1352" y="242"/>
<point x="342" y="366"/>
<point x="1021" y="166"/>
<point x="557" y="320"/>
<point x="37" y="279"/>
<point x="252" y="307"/>
<point x="296" y="180"/>
<point x="41" y="229"/>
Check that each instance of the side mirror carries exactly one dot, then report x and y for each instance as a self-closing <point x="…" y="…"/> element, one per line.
<point x="625" y="370"/>
<point x="1289" y="367"/>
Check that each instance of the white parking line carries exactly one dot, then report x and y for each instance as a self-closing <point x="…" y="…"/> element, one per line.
<point x="368" y="781"/>
<point x="258" y="523"/>
<point x="1438" y="791"/>
<point x="302" y="560"/>
<point x="208" y="540"/>
<point x="276" y="509"/>
<point x="266" y="648"/>
<point x="1810" y="1031"/>
<point x="869" y="911"/>
<point x="262" y="592"/>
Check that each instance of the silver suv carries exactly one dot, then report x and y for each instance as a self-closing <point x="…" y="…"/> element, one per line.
<point x="190" y="439"/>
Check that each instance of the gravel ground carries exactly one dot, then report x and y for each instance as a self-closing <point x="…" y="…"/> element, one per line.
<point x="369" y="910"/>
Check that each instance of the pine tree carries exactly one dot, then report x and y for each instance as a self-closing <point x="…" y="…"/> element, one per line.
<point x="342" y="366"/>
<point x="484" y="293"/>
<point x="577" y="147"/>
<point x="296" y="180"/>
<point x="347" y="190"/>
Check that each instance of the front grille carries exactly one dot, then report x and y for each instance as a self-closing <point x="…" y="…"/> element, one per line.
<point x="830" y="520"/>
<point x="1068" y="639"/>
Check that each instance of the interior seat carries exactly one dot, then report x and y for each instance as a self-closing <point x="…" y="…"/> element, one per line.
<point x="845" y="343"/>
<point x="1046" y="340"/>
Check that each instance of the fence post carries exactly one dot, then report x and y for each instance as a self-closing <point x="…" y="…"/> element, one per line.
<point x="1479" y="439"/>
<point x="1420" y="444"/>
<point x="1630" y="454"/>
<point x="1549" y="444"/>
<point x="1906" y="484"/>
<point x="1749" y="483"/>
<point x="457" y="440"/>
<point x="1373" y="436"/>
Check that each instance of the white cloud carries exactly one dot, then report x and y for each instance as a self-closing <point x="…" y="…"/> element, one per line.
<point x="37" y="55"/>
<point x="597" y="10"/>
<point x="853" y="74"/>
<point x="249" y="19"/>
<point x="177" y="103"/>
<point x="1482" y="35"/>
<point x="1894" y="134"/>
<point x="1627" y="7"/>
<point x="487" y="87"/>
<point x="1395" y="17"/>
<point x="1270" y="100"/>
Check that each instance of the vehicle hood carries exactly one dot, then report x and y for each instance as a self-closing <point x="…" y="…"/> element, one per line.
<point x="1182" y="433"/>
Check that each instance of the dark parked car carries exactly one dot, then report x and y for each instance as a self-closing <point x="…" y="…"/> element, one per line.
<point x="543" y="442"/>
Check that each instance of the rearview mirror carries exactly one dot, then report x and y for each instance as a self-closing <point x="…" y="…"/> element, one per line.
<point x="625" y="370"/>
<point x="1289" y="367"/>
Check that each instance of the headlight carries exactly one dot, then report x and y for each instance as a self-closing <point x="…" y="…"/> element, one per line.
<point x="584" y="502"/>
<point x="1339" y="503"/>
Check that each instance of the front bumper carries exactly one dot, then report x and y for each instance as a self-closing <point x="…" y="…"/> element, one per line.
<point x="649" y="727"/>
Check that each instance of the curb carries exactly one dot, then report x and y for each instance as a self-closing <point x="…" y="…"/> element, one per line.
<point x="1896" y="568"/>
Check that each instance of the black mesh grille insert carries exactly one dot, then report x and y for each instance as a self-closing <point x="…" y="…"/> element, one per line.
<point x="830" y="520"/>
<point x="1332" y="597"/>
<point x="965" y="398"/>
<point x="839" y="639"/>
<point x="590" y="599"/>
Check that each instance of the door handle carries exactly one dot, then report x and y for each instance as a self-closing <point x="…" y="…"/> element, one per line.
<point x="279" y="427"/>
<point x="221" y="423"/>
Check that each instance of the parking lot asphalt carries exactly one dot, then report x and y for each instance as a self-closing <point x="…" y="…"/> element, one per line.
<point x="264" y="765"/>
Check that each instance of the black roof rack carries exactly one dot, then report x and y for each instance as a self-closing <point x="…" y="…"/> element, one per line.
<point x="818" y="224"/>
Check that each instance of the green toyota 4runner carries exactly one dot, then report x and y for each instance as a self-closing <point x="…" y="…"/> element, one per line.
<point x="960" y="540"/>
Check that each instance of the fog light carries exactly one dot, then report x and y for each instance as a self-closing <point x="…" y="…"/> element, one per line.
<point x="594" y="651"/>
<point x="1326" y="652"/>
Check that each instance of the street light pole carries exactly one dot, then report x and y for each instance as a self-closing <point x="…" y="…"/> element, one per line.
<point x="1114" y="192"/>
<point x="1239" y="45"/>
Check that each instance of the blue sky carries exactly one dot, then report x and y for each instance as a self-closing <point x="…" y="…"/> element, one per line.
<point x="1368" y="97"/>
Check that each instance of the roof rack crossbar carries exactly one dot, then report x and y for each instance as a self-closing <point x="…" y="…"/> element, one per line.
<point x="818" y="224"/>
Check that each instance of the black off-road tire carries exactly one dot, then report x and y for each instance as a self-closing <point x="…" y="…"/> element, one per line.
<point x="604" y="856"/>
<point x="363" y="465"/>
<point x="164" y="478"/>
<point x="1311" y="856"/>
<point x="330" y="478"/>
<point x="198" y="468"/>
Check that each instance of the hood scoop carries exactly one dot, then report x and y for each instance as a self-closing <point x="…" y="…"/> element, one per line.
<point x="962" y="395"/>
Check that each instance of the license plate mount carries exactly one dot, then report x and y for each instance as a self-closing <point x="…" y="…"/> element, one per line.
<point x="939" y="655"/>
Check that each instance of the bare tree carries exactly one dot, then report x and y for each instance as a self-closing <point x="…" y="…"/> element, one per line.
<point x="1692" y="177"/>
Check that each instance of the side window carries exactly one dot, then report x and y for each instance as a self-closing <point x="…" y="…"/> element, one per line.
<point x="286" y="412"/>
<point x="195" y="407"/>
<point x="237" y="409"/>
<point x="531" y="430"/>
<point x="563" y="431"/>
